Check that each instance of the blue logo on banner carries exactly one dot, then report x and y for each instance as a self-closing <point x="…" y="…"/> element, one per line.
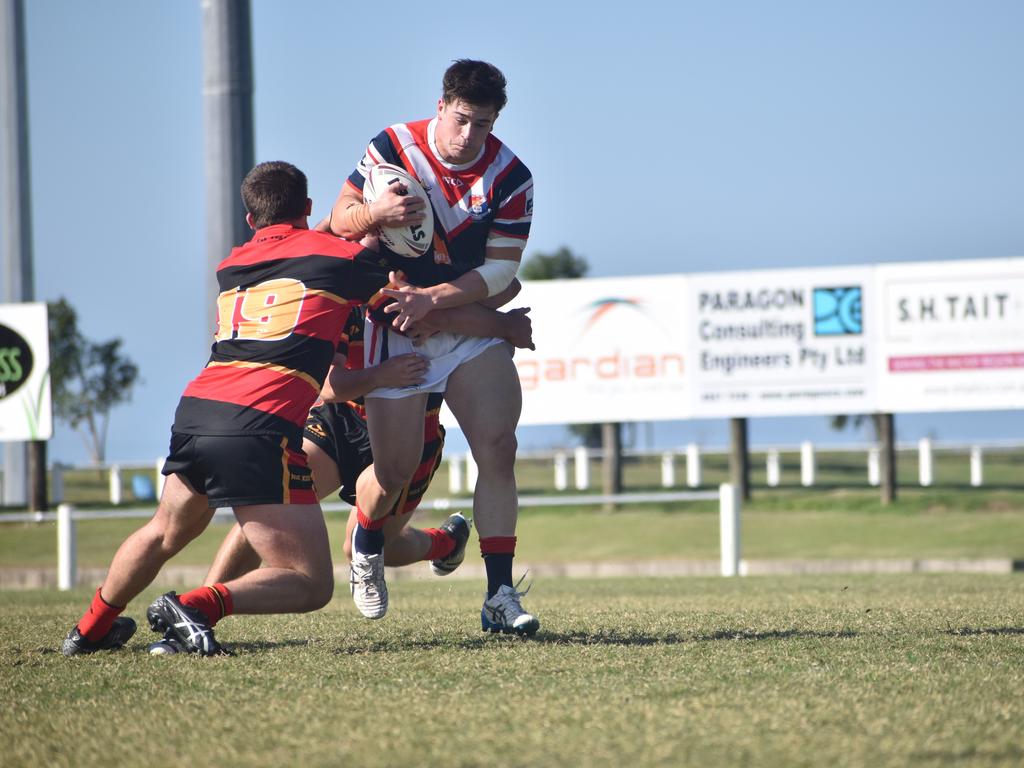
<point x="837" y="311"/>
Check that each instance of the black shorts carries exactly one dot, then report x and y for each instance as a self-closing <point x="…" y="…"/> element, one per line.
<point x="242" y="470"/>
<point x="339" y="430"/>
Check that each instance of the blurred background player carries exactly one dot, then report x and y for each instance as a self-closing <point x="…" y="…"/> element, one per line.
<point x="237" y="434"/>
<point x="482" y="203"/>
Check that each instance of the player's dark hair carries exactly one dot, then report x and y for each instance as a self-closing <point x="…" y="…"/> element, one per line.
<point x="475" y="82"/>
<point x="274" y="192"/>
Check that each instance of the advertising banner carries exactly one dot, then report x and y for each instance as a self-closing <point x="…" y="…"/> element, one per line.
<point x="25" y="409"/>
<point x="951" y="335"/>
<point x="781" y="342"/>
<point x="608" y="349"/>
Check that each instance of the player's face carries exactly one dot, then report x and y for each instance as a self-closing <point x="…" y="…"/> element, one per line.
<point x="462" y="130"/>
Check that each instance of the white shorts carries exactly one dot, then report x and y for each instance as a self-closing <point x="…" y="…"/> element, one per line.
<point x="444" y="351"/>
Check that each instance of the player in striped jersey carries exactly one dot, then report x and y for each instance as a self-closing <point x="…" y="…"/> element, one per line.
<point x="236" y="440"/>
<point x="481" y="198"/>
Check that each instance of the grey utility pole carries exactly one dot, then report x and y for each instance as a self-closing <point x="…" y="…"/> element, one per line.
<point x="227" y="103"/>
<point x="16" y="225"/>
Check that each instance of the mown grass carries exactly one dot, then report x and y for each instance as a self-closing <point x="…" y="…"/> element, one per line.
<point x="796" y="671"/>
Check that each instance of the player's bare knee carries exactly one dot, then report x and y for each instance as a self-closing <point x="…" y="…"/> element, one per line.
<point x="497" y="452"/>
<point x="392" y="476"/>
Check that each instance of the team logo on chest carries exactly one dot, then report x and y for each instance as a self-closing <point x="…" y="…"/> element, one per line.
<point x="478" y="207"/>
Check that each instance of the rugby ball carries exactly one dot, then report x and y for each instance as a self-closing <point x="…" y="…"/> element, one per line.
<point x="411" y="241"/>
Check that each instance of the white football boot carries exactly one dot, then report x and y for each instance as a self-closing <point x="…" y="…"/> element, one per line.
<point x="366" y="579"/>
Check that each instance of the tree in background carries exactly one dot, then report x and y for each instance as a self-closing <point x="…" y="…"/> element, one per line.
<point x="561" y="264"/>
<point x="87" y="378"/>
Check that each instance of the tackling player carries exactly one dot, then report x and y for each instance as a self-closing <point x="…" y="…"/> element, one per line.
<point x="236" y="439"/>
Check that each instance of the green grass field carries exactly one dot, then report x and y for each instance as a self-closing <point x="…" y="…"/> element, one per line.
<point x="854" y="670"/>
<point x="796" y="671"/>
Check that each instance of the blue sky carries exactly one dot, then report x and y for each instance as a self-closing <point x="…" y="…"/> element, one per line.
<point x="677" y="137"/>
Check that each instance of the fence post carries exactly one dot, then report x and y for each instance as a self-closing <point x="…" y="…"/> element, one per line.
<point x="924" y="461"/>
<point x="807" y="465"/>
<point x="729" y="528"/>
<point x="874" y="467"/>
<point x="773" y="469"/>
<point x="977" y="468"/>
<point x="561" y="471"/>
<point x="471" y="472"/>
<point x="67" y="550"/>
<point x="693" y="470"/>
<point x="582" y="467"/>
<point x="454" y="474"/>
<point x="115" y="484"/>
<point x="668" y="469"/>
<point x="57" y="482"/>
<point x="159" y="484"/>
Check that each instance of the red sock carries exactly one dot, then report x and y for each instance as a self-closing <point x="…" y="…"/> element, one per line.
<point x="99" y="618"/>
<point x="213" y="602"/>
<point x="498" y="545"/>
<point x="441" y="544"/>
<point x="367" y="523"/>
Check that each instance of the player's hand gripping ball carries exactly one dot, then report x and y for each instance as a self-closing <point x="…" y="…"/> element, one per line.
<point x="410" y="241"/>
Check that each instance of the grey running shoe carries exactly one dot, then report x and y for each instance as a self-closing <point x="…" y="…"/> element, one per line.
<point x="186" y="625"/>
<point x="121" y="632"/>
<point x="366" y="579"/>
<point x="504" y="613"/>
<point x="457" y="527"/>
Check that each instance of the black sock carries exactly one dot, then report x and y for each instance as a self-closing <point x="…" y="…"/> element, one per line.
<point x="499" y="571"/>
<point x="369" y="542"/>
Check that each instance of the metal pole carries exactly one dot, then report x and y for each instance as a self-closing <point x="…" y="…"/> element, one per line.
<point x="730" y="502"/>
<point x="16" y="224"/>
<point x="887" y="437"/>
<point x="739" y="458"/>
<point x="227" y="100"/>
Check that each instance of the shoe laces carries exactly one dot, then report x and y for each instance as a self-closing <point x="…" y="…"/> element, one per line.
<point x="367" y="569"/>
<point x="508" y="597"/>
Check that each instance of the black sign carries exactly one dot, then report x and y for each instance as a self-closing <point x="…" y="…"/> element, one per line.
<point x="15" y="361"/>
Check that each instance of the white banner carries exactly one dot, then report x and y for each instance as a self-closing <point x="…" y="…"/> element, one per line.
<point x="608" y="349"/>
<point x="781" y="342"/>
<point x="25" y="409"/>
<point x="952" y="335"/>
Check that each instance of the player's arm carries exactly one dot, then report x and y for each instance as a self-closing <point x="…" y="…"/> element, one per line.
<point x="352" y="218"/>
<point x="489" y="279"/>
<point x="344" y="384"/>
<point x="514" y="327"/>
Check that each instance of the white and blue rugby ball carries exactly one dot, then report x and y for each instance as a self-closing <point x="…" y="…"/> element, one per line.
<point x="411" y="241"/>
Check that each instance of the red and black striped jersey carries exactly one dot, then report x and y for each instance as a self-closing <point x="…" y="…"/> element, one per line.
<point x="488" y="201"/>
<point x="284" y="300"/>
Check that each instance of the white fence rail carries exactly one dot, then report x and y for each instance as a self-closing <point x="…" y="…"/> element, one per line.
<point x="67" y="518"/>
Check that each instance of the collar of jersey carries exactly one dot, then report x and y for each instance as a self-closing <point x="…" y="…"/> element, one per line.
<point x="273" y="231"/>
